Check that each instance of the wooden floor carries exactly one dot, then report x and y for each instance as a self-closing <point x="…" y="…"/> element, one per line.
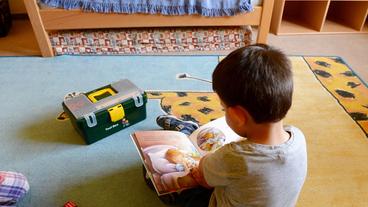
<point x="20" y="41"/>
<point x="353" y="48"/>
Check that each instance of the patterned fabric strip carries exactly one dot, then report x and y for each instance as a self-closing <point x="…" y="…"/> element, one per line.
<point x="13" y="186"/>
<point x="149" y="40"/>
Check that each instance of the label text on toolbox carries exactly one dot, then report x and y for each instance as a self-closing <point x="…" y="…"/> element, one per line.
<point x="113" y="126"/>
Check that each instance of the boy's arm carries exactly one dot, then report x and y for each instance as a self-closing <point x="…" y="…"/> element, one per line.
<point x="197" y="174"/>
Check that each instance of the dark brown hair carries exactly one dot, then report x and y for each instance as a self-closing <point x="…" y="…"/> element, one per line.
<point x="257" y="77"/>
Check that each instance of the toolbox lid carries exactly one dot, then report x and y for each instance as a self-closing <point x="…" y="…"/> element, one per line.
<point x="123" y="89"/>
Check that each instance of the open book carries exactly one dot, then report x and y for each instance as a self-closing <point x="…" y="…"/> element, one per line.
<point x="168" y="156"/>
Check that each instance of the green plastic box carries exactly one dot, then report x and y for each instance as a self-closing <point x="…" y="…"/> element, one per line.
<point x="106" y="110"/>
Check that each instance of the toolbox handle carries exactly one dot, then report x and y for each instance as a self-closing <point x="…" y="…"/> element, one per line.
<point x="138" y="100"/>
<point x="90" y="119"/>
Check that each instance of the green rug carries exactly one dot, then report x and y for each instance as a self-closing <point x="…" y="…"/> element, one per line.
<point x="39" y="141"/>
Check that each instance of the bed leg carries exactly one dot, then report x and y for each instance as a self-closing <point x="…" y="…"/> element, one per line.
<point x="264" y="26"/>
<point x="38" y="28"/>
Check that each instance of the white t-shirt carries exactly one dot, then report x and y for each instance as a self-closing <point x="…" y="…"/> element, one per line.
<point x="248" y="174"/>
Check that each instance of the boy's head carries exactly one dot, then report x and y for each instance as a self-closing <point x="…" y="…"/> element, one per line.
<point x="257" y="78"/>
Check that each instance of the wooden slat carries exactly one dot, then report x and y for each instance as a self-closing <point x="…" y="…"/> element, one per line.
<point x="278" y="10"/>
<point x="265" y="21"/>
<point x="365" y="27"/>
<point x="56" y="19"/>
<point x="38" y="28"/>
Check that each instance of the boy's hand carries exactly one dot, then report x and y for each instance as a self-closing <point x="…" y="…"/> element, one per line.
<point x="187" y="181"/>
<point x="197" y="174"/>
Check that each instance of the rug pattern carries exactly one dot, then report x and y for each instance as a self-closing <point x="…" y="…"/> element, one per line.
<point x="332" y="72"/>
<point x="200" y="107"/>
<point x="343" y="84"/>
<point x="35" y="144"/>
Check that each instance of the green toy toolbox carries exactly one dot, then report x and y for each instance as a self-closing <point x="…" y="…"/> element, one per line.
<point x="106" y="110"/>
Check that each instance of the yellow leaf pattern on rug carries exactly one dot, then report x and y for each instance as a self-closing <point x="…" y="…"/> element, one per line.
<point x="200" y="107"/>
<point x="344" y="85"/>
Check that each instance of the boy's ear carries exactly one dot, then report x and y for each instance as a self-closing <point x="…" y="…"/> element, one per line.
<point x="239" y="115"/>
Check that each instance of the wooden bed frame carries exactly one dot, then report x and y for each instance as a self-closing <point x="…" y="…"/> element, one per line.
<point x="44" y="20"/>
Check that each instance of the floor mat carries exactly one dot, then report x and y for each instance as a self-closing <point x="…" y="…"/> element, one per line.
<point x="60" y="167"/>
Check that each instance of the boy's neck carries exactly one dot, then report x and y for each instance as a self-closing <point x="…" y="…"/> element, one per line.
<point x="268" y="134"/>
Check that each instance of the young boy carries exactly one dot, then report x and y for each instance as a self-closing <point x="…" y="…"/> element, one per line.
<point x="269" y="167"/>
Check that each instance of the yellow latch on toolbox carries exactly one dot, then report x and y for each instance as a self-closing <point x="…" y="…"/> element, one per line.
<point x="116" y="113"/>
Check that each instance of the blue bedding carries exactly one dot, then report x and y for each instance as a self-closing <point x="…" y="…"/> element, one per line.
<point x="165" y="7"/>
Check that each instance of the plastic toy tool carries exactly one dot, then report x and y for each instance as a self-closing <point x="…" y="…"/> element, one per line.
<point x="70" y="204"/>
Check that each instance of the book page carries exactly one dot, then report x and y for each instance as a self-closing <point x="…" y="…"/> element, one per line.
<point x="213" y="135"/>
<point x="168" y="157"/>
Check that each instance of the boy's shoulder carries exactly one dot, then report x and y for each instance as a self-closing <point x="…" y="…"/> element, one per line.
<point x="297" y="135"/>
<point x="296" y="140"/>
<point x="246" y="150"/>
<point x="294" y="129"/>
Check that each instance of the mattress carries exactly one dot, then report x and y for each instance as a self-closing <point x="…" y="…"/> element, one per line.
<point x="44" y="6"/>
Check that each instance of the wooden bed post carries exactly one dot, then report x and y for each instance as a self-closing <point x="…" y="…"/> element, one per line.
<point x="264" y="25"/>
<point x="38" y="28"/>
